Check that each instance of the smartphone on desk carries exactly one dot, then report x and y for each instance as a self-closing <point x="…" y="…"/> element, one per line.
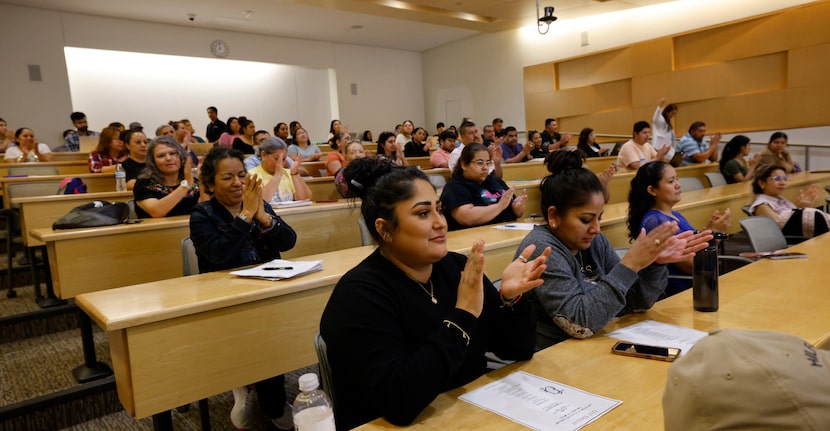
<point x="667" y="354"/>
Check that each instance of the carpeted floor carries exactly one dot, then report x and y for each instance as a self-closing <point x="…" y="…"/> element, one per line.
<point x="37" y="357"/>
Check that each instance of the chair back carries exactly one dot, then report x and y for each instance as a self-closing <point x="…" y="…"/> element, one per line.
<point x="764" y="234"/>
<point x="325" y="368"/>
<point x="33" y="170"/>
<point x="688" y="184"/>
<point x="365" y="236"/>
<point x="190" y="262"/>
<point x="716" y="179"/>
<point x="438" y="181"/>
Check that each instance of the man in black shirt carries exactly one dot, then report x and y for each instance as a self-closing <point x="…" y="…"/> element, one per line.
<point x="551" y="139"/>
<point x="216" y="127"/>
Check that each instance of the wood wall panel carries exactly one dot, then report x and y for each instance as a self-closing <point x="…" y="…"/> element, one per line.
<point x="607" y="96"/>
<point x="650" y="57"/>
<point x="646" y="90"/>
<point x="808" y="25"/>
<point x="538" y="107"/>
<point x="809" y="66"/>
<point x="750" y="75"/>
<point x="808" y="106"/>
<point x="732" y="114"/>
<point x="539" y="78"/>
<point x="746" y="39"/>
<point x="759" y="74"/>
<point x="615" y="122"/>
<point x="594" y="69"/>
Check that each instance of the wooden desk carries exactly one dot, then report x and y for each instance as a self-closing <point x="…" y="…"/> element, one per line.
<point x="184" y="339"/>
<point x="94" y="182"/>
<point x="784" y="295"/>
<point x="621" y="182"/>
<point x="68" y="167"/>
<point x="41" y="211"/>
<point x="697" y="206"/>
<point x="92" y="259"/>
<point x="70" y="156"/>
<point x="322" y="188"/>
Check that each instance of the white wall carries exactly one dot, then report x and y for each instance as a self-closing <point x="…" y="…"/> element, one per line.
<point x="39" y="36"/>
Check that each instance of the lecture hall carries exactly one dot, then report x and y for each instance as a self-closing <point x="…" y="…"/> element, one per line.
<point x="335" y="131"/>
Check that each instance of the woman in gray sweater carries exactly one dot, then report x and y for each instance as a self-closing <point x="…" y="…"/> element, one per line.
<point x="586" y="284"/>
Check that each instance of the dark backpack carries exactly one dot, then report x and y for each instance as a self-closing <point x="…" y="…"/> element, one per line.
<point x="94" y="214"/>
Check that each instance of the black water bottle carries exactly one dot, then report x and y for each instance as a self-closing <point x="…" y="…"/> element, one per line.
<point x="705" y="279"/>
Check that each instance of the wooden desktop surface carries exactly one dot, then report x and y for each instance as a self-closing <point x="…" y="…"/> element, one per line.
<point x="91" y="259"/>
<point x="103" y="182"/>
<point x="183" y="339"/>
<point x="41" y="211"/>
<point x="697" y="206"/>
<point x="154" y="251"/>
<point x="781" y="295"/>
<point x="66" y="167"/>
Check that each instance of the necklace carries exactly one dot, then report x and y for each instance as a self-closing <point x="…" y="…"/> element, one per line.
<point x="582" y="268"/>
<point x="430" y="292"/>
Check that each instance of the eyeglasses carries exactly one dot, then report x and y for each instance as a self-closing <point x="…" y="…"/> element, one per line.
<point x="780" y="178"/>
<point x="481" y="163"/>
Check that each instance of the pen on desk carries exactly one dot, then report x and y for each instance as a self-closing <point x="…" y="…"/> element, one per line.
<point x="279" y="268"/>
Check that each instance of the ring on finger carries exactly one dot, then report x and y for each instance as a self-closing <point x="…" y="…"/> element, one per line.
<point x="523" y="259"/>
<point x="657" y="242"/>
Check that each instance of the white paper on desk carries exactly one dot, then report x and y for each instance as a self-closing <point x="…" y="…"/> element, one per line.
<point x="516" y="226"/>
<point x="291" y="204"/>
<point x="661" y="334"/>
<point x="298" y="267"/>
<point x="539" y="403"/>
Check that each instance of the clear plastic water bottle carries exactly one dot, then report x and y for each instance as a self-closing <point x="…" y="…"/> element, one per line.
<point x="312" y="409"/>
<point x="120" y="179"/>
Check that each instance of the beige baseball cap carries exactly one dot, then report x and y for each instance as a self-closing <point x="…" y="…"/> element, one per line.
<point x="749" y="380"/>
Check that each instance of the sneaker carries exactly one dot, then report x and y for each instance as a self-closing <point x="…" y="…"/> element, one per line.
<point x="240" y="413"/>
<point x="286" y="421"/>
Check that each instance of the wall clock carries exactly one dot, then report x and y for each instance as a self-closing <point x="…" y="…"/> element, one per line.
<point x="220" y="48"/>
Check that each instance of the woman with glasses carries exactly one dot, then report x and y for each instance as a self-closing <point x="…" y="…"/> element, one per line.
<point x="136" y="143"/>
<point x="797" y="219"/>
<point x="167" y="186"/>
<point x="473" y="197"/>
<point x="278" y="183"/>
<point x="302" y="147"/>
<point x="109" y="153"/>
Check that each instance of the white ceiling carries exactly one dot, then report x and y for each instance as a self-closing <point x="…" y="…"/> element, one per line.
<point x="414" y="25"/>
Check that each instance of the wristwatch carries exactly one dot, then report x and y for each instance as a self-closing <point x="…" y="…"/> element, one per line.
<point x="184" y="184"/>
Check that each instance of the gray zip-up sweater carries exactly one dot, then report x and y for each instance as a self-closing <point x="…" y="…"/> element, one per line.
<point x="569" y="305"/>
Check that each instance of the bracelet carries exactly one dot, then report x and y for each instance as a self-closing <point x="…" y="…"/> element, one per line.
<point x="464" y="334"/>
<point x="509" y="302"/>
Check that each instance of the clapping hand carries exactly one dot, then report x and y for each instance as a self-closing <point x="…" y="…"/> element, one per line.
<point x="523" y="274"/>
<point x="807" y="197"/>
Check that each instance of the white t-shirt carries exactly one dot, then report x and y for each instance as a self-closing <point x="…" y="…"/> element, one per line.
<point x="13" y="152"/>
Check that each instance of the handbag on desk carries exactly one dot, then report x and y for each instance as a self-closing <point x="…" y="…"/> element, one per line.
<point x="94" y="214"/>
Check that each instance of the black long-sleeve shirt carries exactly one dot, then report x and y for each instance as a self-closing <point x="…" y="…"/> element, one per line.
<point x="224" y="242"/>
<point x="391" y="353"/>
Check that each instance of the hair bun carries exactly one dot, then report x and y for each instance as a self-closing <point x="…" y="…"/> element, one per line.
<point x="563" y="159"/>
<point x="363" y="174"/>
